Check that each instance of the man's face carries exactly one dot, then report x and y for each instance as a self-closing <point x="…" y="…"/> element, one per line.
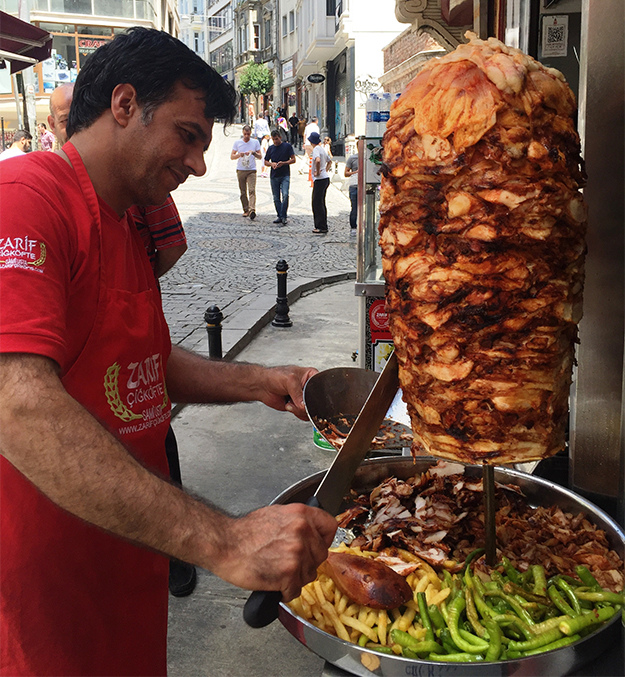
<point x="163" y="153"/>
<point x="247" y="133"/>
<point x="58" y="117"/>
<point x="277" y="140"/>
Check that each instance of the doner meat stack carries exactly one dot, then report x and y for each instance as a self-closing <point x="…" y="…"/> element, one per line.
<point x="482" y="234"/>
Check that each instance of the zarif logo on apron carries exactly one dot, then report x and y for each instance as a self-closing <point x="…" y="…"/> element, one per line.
<point x="143" y="396"/>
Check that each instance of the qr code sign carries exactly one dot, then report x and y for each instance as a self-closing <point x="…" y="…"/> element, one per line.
<point x="555" y="35"/>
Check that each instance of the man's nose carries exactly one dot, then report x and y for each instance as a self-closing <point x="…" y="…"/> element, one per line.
<point x="195" y="162"/>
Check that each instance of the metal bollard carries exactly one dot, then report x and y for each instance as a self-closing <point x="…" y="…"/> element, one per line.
<point x="282" y="305"/>
<point x="213" y="317"/>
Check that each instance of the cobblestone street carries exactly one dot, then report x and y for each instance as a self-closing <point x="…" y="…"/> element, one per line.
<point x="229" y="256"/>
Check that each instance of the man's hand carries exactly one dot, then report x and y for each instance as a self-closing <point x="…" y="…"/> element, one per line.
<point x="276" y="548"/>
<point x="284" y="389"/>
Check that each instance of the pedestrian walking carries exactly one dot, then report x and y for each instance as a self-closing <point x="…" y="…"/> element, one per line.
<point x="327" y="146"/>
<point x="293" y="125"/>
<point x="245" y="151"/>
<point x="264" y="144"/>
<point x="283" y="127"/>
<point x="279" y="156"/>
<point x="321" y="180"/>
<point x="46" y="138"/>
<point x="301" y="128"/>
<point x="351" y="173"/>
<point x="261" y="126"/>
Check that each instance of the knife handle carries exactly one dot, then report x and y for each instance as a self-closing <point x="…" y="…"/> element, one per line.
<point x="262" y="606"/>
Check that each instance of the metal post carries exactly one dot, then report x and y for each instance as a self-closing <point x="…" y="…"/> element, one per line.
<point x="2" y="123"/>
<point x="213" y="317"/>
<point x="282" y="305"/>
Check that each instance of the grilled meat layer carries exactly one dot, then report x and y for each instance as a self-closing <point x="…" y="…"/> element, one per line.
<point x="482" y="234"/>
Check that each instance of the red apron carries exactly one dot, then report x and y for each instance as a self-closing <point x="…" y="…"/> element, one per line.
<point x="76" y="600"/>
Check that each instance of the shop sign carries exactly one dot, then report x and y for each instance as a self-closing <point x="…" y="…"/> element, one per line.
<point x="381" y="340"/>
<point x="316" y="78"/>
<point x="88" y="45"/>
<point x="287" y="70"/>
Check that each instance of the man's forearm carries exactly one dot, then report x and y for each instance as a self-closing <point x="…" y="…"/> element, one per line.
<point x="52" y="440"/>
<point x="193" y="378"/>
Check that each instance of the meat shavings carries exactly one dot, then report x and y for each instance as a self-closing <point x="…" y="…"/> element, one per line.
<point x="482" y="233"/>
<point x="440" y="517"/>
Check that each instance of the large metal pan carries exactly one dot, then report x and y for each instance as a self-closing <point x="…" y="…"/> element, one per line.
<point x="364" y="662"/>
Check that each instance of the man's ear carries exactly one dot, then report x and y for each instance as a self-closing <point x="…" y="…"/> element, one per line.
<point x="124" y="104"/>
<point x="51" y="124"/>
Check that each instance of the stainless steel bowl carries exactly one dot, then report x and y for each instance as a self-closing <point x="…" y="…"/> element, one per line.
<point x="361" y="661"/>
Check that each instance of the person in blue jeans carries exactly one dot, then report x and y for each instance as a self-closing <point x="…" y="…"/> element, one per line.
<point x="279" y="157"/>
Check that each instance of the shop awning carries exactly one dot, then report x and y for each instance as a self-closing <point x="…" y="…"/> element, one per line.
<point x="21" y="43"/>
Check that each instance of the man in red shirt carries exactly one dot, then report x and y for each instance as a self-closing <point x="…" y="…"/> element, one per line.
<point x="88" y="375"/>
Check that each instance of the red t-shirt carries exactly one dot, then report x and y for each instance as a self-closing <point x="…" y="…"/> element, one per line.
<point x="50" y="259"/>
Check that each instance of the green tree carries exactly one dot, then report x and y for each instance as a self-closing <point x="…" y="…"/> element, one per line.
<point x="256" y="79"/>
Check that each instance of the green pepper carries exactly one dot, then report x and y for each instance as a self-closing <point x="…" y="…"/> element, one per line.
<point x="456" y="657"/>
<point x="436" y="617"/>
<point x="472" y="613"/>
<point x="558" y="644"/>
<point x="537" y="641"/>
<point x="455" y="610"/>
<point x="523" y="627"/>
<point x="574" y="625"/>
<point x="587" y="578"/>
<point x="511" y="572"/>
<point x="469" y="559"/>
<point x="558" y="600"/>
<point x="514" y="589"/>
<point x="379" y="647"/>
<point x="547" y="624"/>
<point x="540" y="580"/>
<point x="494" y="640"/>
<point x="514" y="605"/>
<point x="362" y="640"/>
<point x="568" y="591"/>
<point x="603" y="596"/>
<point x="447" y="641"/>
<point x="425" y="618"/>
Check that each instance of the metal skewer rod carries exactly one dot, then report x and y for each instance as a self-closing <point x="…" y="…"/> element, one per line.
<point x="488" y="482"/>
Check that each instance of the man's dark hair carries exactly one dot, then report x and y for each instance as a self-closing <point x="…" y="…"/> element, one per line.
<point x="43" y="124"/>
<point x="21" y="134"/>
<point x="275" y="133"/>
<point x="153" y="62"/>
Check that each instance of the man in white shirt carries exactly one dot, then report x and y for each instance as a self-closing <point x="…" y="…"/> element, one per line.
<point x="311" y="127"/>
<point x="20" y="145"/>
<point x="261" y="127"/>
<point x="246" y="150"/>
<point x="321" y="180"/>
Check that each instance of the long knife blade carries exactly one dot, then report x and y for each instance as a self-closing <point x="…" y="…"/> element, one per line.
<point x="339" y="476"/>
<point x="262" y="607"/>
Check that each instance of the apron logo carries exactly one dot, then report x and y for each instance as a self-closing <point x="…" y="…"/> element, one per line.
<point x="111" y="390"/>
<point x="21" y="252"/>
<point x="145" y="383"/>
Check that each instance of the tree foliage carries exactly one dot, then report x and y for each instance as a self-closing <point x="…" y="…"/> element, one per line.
<point x="256" y="79"/>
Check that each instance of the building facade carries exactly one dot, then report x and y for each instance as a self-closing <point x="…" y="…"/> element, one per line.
<point x="193" y="26"/>
<point x="78" y="28"/>
<point x="220" y="19"/>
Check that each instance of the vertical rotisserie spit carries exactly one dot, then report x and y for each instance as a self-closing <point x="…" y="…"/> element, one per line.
<point x="482" y="234"/>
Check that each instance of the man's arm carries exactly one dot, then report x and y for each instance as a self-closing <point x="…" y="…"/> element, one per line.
<point x="235" y="155"/>
<point x="192" y="378"/>
<point x="317" y="168"/>
<point x="54" y="442"/>
<point x="166" y="258"/>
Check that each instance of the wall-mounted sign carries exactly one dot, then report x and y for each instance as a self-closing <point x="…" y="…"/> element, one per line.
<point x="316" y="78"/>
<point x="287" y="70"/>
<point x="555" y="36"/>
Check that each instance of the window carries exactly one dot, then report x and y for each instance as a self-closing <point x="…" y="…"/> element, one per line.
<point x="267" y="33"/>
<point x="219" y="23"/>
<point x="284" y="31"/>
<point x="330" y="7"/>
<point x="256" y="28"/>
<point x="242" y="39"/>
<point x="196" y="7"/>
<point x="291" y="21"/>
<point x="198" y="43"/>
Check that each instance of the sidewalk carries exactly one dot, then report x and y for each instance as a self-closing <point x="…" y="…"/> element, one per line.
<point x="231" y="260"/>
<point x="240" y="457"/>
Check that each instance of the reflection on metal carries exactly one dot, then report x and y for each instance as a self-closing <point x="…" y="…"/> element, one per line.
<point x="597" y="416"/>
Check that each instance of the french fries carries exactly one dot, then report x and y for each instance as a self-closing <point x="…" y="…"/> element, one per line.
<point x="325" y="606"/>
